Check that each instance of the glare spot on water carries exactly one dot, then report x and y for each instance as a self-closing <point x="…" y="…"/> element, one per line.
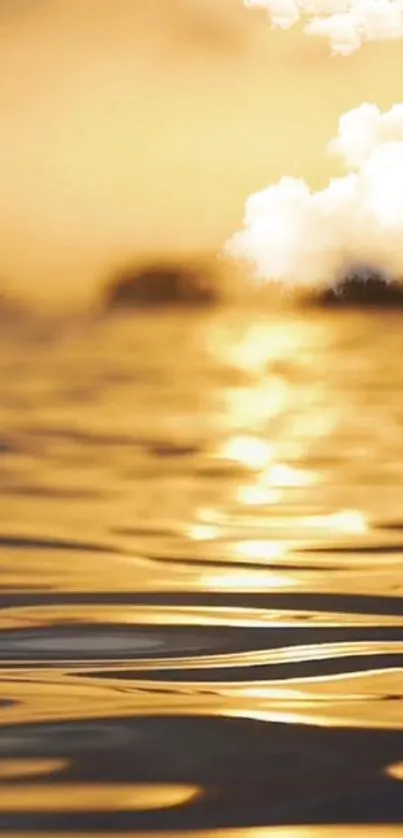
<point x="260" y="550"/>
<point x="349" y="521"/>
<point x="395" y="771"/>
<point x="248" y="450"/>
<point x="257" y="495"/>
<point x="253" y="407"/>
<point x="16" y="768"/>
<point x="242" y="580"/>
<point x="285" y="476"/>
<point x="203" y="532"/>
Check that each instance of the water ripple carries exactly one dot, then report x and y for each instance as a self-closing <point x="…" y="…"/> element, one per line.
<point x="201" y="624"/>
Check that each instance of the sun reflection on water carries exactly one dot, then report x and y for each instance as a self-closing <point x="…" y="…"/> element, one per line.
<point x="249" y="451"/>
<point x="256" y="495"/>
<point x="203" y="532"/>
<point x="260" y="550"/>
<point x="242" y="580"/>
<point x="275" y="396"/>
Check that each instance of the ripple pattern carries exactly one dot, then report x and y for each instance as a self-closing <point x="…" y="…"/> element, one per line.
<point x="201" y="578"/>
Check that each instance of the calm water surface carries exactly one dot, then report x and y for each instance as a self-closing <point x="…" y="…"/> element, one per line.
<point x="201" y="570"/>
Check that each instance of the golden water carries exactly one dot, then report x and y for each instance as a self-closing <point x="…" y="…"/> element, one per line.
<point x="201" y="559"/>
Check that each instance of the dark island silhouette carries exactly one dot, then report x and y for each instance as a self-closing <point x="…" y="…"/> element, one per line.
<point x="160" y="285"/>
<point x="361" y="287"/>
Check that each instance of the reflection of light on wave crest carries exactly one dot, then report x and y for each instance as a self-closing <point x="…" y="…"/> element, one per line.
<point x="244" y="581"/>
<point x="247" y="450"/>
<point x="257" y="496"/>
<point x="353" y="831"/>
<point x="260" y="550"/>
<point x="203" y="532"/>
<point x="74" y="797"/>
<point x="395" y="771"/>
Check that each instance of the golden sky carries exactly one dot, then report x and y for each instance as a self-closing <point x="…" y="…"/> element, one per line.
<point x="132" y="125"/>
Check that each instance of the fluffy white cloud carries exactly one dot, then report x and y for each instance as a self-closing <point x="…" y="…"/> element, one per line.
<point x="346" y="23"/>
<point x="297" y="236"/>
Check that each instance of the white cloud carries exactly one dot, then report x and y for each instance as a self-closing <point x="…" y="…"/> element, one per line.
<point x="297" y="236"/>
<point x="347" y="24"/>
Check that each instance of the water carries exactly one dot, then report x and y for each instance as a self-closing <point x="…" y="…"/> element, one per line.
<point x="201" y="542"/>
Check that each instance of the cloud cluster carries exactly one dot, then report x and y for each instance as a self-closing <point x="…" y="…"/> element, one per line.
<point x="296" y="236"/>
<point x="346" y="23"/>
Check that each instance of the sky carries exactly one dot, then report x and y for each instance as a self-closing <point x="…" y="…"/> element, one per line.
<point x="137" y="126"/>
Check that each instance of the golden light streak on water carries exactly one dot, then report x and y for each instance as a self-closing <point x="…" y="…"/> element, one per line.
<point x="69" y="797"/>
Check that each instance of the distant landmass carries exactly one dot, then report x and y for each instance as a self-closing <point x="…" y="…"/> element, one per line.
<point x="360" y="287"/>
<point x="161" y="285"/>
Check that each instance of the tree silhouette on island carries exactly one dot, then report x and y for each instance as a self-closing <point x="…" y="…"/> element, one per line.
<point x="362" y="286"/>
